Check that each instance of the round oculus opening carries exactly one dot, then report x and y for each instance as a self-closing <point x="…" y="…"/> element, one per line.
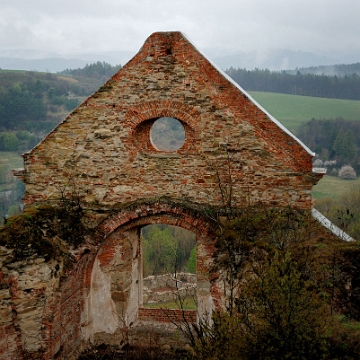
<point x="167" y="134"/>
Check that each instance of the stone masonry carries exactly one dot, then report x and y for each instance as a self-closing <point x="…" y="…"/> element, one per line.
<point x="102" y="154"/>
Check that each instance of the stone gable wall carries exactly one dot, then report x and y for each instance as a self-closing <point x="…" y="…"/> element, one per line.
<point x="104" y="145"/>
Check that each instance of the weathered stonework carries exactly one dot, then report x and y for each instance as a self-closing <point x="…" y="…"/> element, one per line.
<point x="102" y="154"/>
<point x="104" y="145"/>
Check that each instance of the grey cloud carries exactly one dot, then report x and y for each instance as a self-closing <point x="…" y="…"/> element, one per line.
<point x="227" y="27"/>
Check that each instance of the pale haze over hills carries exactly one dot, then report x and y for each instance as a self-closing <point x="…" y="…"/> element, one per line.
<point x="278" y="35"/>
<point x="27" y="59"/>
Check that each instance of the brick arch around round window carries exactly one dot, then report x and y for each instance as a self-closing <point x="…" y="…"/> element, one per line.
<point x="141" y="117"/>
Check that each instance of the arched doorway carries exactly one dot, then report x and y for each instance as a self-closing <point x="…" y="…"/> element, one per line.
<point x="115" y="295"/>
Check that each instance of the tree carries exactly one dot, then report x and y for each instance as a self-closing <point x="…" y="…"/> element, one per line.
<point x="4" y="173"/>
<point x="191" y="264"/>
<point x="159" y="252"/>
<point x="8" y="141"/>
<point x="282" y="312"/>
<point x="344" y="146"/>
<point x="279" y="315"/>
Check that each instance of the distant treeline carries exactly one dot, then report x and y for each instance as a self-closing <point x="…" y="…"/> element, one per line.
<point x="99" y="70"/>
<point x="337" y="139"/>
<point x="346" y="87"/>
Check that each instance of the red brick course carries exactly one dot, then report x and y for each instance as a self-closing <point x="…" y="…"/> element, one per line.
<point x="167" y="315"/>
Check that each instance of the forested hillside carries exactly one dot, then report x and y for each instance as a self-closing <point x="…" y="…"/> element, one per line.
<point x="32" y="103"/>
<point x="101" y="71"/>
<point x="336" y="139"/>
<point x="28" y="100"/>
<point x="346" y="87"/>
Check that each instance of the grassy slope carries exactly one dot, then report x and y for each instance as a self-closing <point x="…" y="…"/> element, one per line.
<point x="189" y="304"/>
<point x="333" y="187"/>
<point x="292" y="110"/>
<point x="11" y="158"/>
<point x="14" y="160"/>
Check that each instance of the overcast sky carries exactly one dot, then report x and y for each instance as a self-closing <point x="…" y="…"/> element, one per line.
<point x="70" y="27"/>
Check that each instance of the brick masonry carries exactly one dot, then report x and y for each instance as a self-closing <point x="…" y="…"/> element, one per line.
<point x="164" y="315"/>
<point x="103" y="153"/>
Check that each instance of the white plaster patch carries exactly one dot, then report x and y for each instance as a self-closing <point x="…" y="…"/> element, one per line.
<point x="205" y="302"/>
<point x="122" y="188"/>
<point x="100" y="193"/>
<point x="101" y="310"/>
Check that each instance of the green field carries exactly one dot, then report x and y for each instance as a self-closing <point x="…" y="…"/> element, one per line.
<point x="12" y="158"/>
<point x="293" y="111"/>
<point x="333" y="187"/>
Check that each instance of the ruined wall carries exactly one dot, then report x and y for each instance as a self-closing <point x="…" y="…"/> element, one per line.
<point x="27" y="288"/>
<point x="54" y="304"/>
<point x="168" y="287"/>
<point x="58" y="303"/>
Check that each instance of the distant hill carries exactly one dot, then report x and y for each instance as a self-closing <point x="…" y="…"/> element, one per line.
<point x="273" y="59"/>
<point x="305" y="83"/>
<point x="340" y="70"/>
<point x="52" y="65"/>
<point x="36" y="102"/>
<point x="31" y="60"/>
<point x="101" y="71"/>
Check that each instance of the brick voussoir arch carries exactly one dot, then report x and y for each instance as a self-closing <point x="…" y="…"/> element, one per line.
<point x="188" y="216"/>
<point x="163" y="211"/>
<point x="163" y="108"/>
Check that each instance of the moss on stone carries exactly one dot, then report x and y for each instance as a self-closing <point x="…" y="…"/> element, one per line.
<point x="47" y="230"/>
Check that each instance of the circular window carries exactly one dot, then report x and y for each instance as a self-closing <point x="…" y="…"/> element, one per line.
<point x="167" y="134"/>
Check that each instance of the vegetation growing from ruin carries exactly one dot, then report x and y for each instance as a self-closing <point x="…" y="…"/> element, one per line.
<point x="153" y="352"/>
<point x="292" y="290"/>
<point x="48" y="230"/>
